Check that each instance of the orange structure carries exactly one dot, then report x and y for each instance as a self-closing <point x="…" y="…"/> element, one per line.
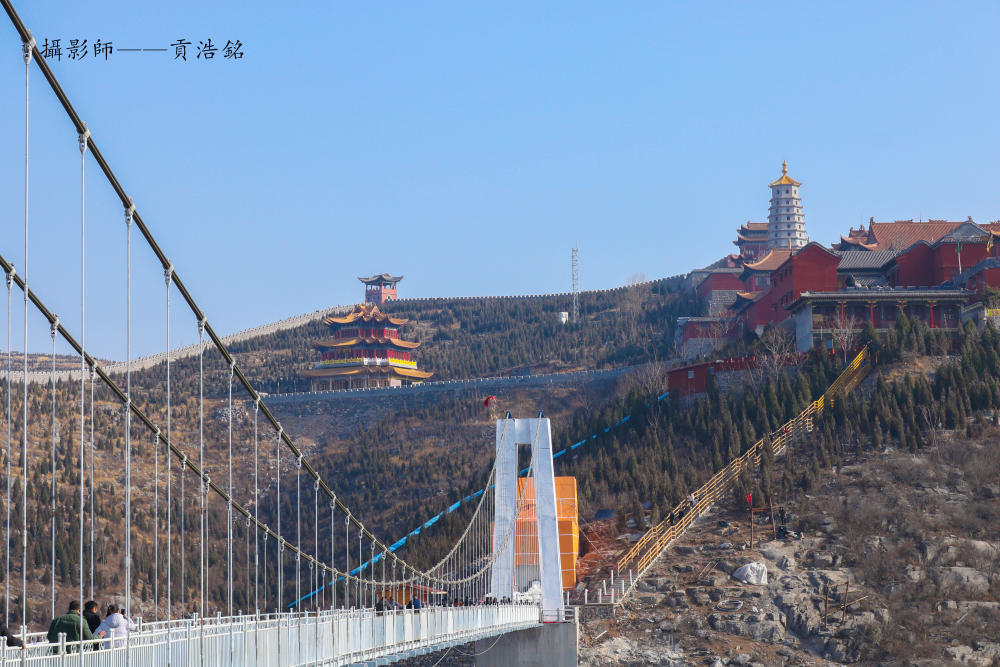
<point x="364" y="350"/>
<point x="405" y="593"/>
<point x="526" y="532"/>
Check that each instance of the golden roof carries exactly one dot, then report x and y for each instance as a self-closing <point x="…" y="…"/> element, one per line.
<point x="771" y="261"/>
<point x="370" y="340"/>
<point x="365" y="312"/>
<point x="785" y="178"/>
<point x="370" y="370"/>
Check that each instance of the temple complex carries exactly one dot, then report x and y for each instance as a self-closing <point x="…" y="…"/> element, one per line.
<point x="364" y="350"/>
<point x="934" y="272"/>
<point x="380" y="288"/>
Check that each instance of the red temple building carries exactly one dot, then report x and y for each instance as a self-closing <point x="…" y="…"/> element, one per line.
<point x="380" y="288"/>
<point x="364" y="350"/>
<point x="751" y="239"/>
<point x="933" y="272"/>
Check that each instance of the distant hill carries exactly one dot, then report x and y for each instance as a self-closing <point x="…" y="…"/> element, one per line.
<point x="487" y="336"/>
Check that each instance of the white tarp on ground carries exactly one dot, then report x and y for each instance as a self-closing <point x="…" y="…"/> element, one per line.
<point x="751" y="573"/>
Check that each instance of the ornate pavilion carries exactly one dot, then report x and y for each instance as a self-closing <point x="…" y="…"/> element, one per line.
<point x="364" y="350"/>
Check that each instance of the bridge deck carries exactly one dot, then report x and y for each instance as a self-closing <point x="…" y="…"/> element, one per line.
<point x="338" y="637"/>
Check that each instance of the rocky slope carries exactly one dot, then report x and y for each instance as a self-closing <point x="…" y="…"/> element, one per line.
<point x="910" y="541"/>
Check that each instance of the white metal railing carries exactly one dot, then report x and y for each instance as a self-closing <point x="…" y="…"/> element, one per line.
<point x="337" y="637"/>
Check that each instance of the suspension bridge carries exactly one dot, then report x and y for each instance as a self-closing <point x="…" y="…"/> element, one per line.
<point x="249" y="556"/>
<point x="237" y="523"/>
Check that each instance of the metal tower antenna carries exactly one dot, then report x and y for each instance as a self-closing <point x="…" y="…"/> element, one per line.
<point x="575" y="262"/>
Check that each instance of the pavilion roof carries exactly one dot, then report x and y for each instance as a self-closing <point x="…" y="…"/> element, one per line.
<point x="366" y="340"/>
<point x="771" y="261"/>
<point x="750" y="237"/>
<point x="364" y="312"/>
<point x="380" y="278"/>
<point x="754" y="227"/>
<point x="347" y="371"/>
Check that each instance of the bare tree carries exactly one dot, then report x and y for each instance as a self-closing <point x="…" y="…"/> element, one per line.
<point x="635" y="291"/>
<point x="846" y="331"/>
<point x="649" y="379"/>
<point x="717" y="332"/>
<point x="777" y="348"/>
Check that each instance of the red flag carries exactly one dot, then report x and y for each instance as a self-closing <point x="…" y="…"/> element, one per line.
<point x="750" y="499"/>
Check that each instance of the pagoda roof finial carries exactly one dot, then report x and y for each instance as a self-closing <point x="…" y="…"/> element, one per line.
<point x="785" y="178"/>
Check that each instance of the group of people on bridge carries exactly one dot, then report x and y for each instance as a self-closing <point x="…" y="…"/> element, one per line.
<point x="88" y="626"/>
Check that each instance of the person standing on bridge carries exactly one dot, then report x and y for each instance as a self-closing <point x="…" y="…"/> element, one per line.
<point x="71" y="623"/>
<point x="91" y="615"/>
<point x="114" y="626"/>
<point x="12" y="640"/>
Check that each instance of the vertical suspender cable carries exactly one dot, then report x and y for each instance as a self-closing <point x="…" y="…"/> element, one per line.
<point x="26" y="51"/>
<point x="298" y="528"/>
<point x="93" y="380"/>
<point x="334" y="576"/>
<point x="167" y="276"/>
<point x="279" y="574"/>
<point x="256" y="509"/>
<point x="156" y="525"/>
<point x="183" y="542"/>
<point x="128" y="409"/>
<point x="264" y="583"/>
<point x="347" y="561"/>
<point x="6" y="602"/>
<point x="298" y="542"/>
<point x="229" y="502"/>
<point x="53" y="327"/>
<point x="247" y="535"/>
<point x="315" y="570"/>
<point x="201" y="459"/>
<point x="82" y="141"/>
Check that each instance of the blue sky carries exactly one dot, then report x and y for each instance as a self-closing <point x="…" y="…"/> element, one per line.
<point x="467" y="146"/>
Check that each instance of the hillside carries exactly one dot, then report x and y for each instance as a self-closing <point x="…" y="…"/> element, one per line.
<point x="399" y="464"/>
<point x="895" y="493"/>
<point x="490" y="336"/>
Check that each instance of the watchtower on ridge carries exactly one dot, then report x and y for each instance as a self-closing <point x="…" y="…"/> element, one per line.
<point x="380" y="288"/>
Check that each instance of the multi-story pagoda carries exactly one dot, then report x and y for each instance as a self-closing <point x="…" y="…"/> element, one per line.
<point x="364" y="350"/>
<point x="786" y="225"/>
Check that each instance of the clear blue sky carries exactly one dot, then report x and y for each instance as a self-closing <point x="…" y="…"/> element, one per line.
<point x="467" y="146"/>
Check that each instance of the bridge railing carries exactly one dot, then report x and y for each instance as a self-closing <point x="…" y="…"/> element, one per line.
<point x="327" y="637"/>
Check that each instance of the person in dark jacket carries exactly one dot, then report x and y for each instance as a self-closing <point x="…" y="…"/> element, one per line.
<point x="70" y="623"/>
<point x="12" y="639"/>
<point x="91" y="615"/>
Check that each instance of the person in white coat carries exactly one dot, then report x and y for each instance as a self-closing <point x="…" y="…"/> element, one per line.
<point x="114" y="627"/>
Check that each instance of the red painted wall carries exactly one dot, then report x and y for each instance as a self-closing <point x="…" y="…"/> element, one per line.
<point x="946" y="259"/>
<point x="810" y="269"/>
<point x="719" y="281"/>
<point x="983" y="279"/>
<point x="915" y="267"/>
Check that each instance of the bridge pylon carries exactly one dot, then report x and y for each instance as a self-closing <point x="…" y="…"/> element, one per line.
<point x="537" y="503"/>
